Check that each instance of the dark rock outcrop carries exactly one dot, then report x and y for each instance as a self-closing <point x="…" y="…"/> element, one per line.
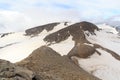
<point x="75" y="30"/>
<point x="7" y="45"/>
<point x="118" y="29"/>
<point x="49" y="65"/>
<point x="87" y="26"/>
<point x="114" y="54"/>
<point x="39" y="29"/>
<point x="81" y="51"/>
<point x="65" y="23"/>
<point x="46" y="64"/>
<point x="4" y="34"/>
<point x="9" y="71"/>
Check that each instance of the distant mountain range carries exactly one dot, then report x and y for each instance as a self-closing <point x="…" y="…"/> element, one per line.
<point x="113" y="22"/>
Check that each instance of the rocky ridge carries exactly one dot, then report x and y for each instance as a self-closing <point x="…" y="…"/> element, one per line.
<point x="39" y="29"/>
<point x="46" y="64"/>
<point x="49" y="65"/>
<point x="76" y="31"/>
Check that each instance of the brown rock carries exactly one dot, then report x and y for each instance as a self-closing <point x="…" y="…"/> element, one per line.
<point x="82" y="51"/>
<point x="49" y="65"/>
<point x="9" y="71"/>
<point x="76" y="31"/>
<point x="39" y="29"/>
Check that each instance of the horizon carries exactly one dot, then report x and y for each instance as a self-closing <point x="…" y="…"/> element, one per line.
<point x="16" y="15"/>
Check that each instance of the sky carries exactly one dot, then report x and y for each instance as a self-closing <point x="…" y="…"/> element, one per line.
<point x="21" y="14"/>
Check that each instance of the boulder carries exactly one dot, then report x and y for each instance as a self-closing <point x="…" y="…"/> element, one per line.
<point x="81" y="51"/>
<point x="9" y="71"/>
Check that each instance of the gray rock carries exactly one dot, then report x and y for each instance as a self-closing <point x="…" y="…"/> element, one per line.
<point x="9" y="71"/>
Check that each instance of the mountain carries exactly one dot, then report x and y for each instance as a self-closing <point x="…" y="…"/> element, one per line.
<point x="118" y="29"/>
<point x="65" y="51"/>
<point x="114" y="21"/>
<point x="50" y="65"/>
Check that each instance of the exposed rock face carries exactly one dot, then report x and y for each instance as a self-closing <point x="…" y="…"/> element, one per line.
<point x="45" y="63"/>
<point x="4" y="34"/>
<point x="118" y="29"/>
<point x="82" y="51"/>
<point x="39" y="29"/>
<point x="114" y="54"/>
<point x="6" y="45"/>
<point x="75" y="30"/>
<point x="66" y="23"/>
<point x="49" y="65"/>
<point x="9" y="71"/>
<point x="87" y="26"/>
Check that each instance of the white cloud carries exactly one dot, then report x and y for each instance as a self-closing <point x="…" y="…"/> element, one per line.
<point x="44" y="11"/>
<point x="13" y="21"/>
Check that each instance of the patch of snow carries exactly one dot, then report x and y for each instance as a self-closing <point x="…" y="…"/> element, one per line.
<point x="12" y="38"/>
<point x="63" y="47"/>
<point x="104" y="66"/>
<point x="59" y="27"/>
<point x="17" y="52"/>
<point x="21" y="50"/>
<point x="89" y="44"/>
<point x="107" y="40"/>
<point x="108" y="28"/>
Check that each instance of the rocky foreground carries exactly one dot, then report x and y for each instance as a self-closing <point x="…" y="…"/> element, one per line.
<point x="43" y="64"/>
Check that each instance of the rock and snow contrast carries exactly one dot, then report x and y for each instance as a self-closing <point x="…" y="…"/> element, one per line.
<point x="74" y="51"/>
<point x="104" y="66"/>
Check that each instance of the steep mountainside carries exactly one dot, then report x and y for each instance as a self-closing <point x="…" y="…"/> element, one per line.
<point x="70" y="50"/>
<point x="44" y="61"/>
<point x="39" y="29"/>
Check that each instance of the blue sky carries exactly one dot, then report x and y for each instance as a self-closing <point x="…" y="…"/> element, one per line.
<point x="38" y="12"/>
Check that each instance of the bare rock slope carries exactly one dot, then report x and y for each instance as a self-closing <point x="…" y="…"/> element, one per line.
<point x="76" y="31"/>
<point x="49" y="65"/>
<point x="9" y="71"/>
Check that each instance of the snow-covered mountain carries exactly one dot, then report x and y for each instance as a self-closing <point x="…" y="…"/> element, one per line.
<point x="114" y="21"/>
<point x="67" y="37"/>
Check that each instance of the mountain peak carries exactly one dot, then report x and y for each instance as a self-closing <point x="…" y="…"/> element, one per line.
<point x="83" y="49"/>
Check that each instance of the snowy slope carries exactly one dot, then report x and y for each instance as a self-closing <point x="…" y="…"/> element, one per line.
<point x="107" y="37"/>
<point x="106" y="67"/>
<point x="63" y="47"/>
<point x="17" y="46"/>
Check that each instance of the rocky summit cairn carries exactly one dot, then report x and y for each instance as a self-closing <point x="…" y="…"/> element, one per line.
<point x="49" y="65"/>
